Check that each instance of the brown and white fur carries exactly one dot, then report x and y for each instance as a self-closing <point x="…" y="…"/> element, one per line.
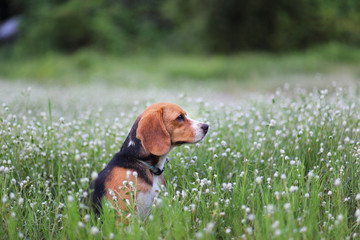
<point x="155" y="132"/>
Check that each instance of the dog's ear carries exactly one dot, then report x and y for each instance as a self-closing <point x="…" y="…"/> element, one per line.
<point x="153" y="134"/>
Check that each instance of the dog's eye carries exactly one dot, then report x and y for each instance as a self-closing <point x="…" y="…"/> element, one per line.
<point x="180" y="118"/>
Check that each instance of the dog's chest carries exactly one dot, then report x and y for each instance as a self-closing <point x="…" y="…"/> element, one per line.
<point x="145" y="200"/>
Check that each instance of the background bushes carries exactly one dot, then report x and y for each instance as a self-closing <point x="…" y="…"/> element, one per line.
<point x="123" y="26"/>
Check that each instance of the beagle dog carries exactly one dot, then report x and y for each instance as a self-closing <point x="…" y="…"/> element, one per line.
<point x="140" y="162"/>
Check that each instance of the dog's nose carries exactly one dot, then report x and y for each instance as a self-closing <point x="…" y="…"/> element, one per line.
<point x="205" y="128"/>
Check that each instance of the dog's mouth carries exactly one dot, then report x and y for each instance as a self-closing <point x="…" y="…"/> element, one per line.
<point x="185" y="142"/>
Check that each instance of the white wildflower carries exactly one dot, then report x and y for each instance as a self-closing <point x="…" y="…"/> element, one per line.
<point x="287" y="207"/>
<point x="199" y="235"/>
<point x="94" y="230"/>
<point x="94" y="175"/>
<point x="249" y="230"/>
<point x="12" y="195"/>
<point x="357" y="197"/>
<point x="258" y="180"/>
<point x="251" y="217"/>
<point x="293" y="188"/>
<point x="81" y="224"/>
<point x="337" y="182"/>
<point x="70" y="198"/>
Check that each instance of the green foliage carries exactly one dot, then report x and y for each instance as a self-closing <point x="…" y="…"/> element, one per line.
<point x="268" y="25"/>
<point x="186" y="25"/>
<point x="114" y="26"/>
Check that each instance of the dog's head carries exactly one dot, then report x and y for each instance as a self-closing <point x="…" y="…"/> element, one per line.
<point x="163" y="125"/>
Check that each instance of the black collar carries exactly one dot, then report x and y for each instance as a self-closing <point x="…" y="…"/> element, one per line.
<point x="153" y="169"/>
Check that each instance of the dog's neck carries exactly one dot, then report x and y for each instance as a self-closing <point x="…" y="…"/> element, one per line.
<point x="160" y="164"/>
<point x="132" y="148"/>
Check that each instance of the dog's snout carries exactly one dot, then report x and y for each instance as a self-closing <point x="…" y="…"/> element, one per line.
<point x="205" y="128"/>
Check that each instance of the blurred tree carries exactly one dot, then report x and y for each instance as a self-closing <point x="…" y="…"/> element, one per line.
<point x="229" y="26"/>
<point x="278" y="25"/>
<point x="116" y="26"/>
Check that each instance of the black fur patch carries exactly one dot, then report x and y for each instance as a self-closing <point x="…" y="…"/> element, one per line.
<point x="127" y="158"/>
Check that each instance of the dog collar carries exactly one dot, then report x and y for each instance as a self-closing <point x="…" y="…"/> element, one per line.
<point x="153" y="169"/>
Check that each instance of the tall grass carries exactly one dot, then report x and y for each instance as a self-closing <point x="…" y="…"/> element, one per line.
<point x="284" y="166"/>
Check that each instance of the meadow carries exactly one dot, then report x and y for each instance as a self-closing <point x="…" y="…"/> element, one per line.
<point x="279" y="164"/>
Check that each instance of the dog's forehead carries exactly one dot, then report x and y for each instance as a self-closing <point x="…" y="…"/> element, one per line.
<point x="169" y="108"/>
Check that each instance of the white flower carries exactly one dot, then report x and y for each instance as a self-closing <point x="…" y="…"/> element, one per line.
<point x="258" y="180"/>
<point x="357" y="213"/>
<point x="270" y="209"/>
<point x="249" y="230"/>
<point x="84" y="180"/>
<point x="199" y="235"/>
<point x="293" y="188"/>
<point x="87" y="218"/>
<point x="357" y="197"/>
<point x="272" y="123"/>
<point x="275" y="224"/>
<point x="228" y="230"/>
<point x="70" y="198"/>
<point x="337" y="182"/>
<point x="94" y="230"/>
<point x="227" y="186"/>
<point x="209" y="227"/>
<point x="287" y="206"/>
<point x="81" y="224"/>
<point x="277" y="232"/>
<point x="12" y="195"/>
<point x="94" y="175"/>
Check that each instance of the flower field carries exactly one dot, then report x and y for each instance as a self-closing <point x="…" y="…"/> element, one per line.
<point x="283" y="165"/>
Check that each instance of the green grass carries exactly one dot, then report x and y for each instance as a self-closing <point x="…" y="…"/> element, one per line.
<point x="252" y="70"/>
<point x="276" y="167"/>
